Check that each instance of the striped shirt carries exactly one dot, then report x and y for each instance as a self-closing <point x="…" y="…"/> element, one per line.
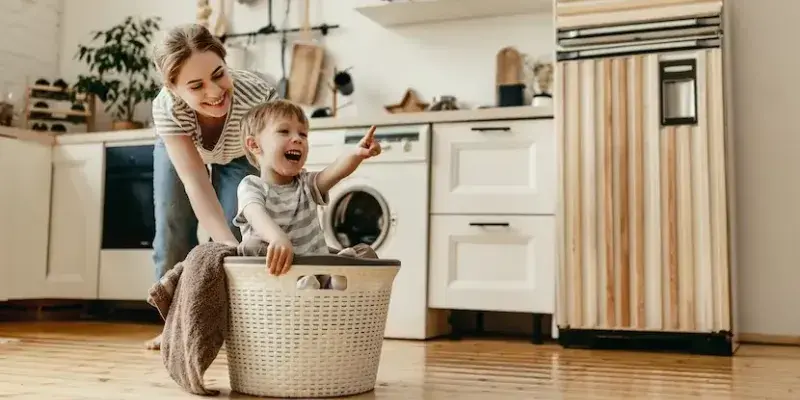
<point x="292" y="206"/>
<point x="172" y="116"/>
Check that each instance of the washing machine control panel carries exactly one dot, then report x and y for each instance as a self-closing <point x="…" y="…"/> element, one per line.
<point x="398" y="143"/>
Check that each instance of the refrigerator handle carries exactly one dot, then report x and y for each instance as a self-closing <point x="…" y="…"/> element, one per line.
<point x="678" y="92"/>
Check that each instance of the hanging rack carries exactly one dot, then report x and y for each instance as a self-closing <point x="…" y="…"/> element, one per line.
<point x="270" y="30"/>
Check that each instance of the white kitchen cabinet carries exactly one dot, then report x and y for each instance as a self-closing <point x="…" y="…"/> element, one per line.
<point x="24" y="214"/>
<point x="505" y="167"/>
<point x="75" y="222"/>
<point x="492" y="263"/>
<point x="51" y="212"/>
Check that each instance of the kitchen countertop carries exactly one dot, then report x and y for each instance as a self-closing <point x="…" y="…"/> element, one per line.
<point x="485" y="114"/>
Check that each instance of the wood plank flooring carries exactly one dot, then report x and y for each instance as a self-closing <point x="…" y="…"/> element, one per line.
<point x="79" y="361"/>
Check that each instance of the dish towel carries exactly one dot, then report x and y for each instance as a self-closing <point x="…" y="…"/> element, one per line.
<point x="192" y="298"/>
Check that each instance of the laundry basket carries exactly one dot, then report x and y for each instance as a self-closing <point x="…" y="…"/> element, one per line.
<point x="289" y="342"/>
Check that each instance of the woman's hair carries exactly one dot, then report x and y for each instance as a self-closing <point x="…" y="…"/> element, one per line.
<point x="178" y="45"/>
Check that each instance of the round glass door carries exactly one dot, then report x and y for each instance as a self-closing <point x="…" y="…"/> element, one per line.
<point x="359" y="216"/>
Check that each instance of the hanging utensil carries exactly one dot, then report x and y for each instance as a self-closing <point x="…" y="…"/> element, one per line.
<point x="270" y="28"/>
<point x="283" y="84"/>
<point x="221" y="25"/>
<point x="306" y="65"/>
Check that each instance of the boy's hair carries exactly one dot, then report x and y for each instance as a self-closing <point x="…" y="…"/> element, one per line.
<point x="257" y="118"/>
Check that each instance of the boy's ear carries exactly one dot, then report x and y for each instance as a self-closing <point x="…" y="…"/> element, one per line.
<point x="252" y="145"/>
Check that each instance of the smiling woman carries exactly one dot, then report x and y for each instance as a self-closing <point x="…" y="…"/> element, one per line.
<point x="196" y="117"/>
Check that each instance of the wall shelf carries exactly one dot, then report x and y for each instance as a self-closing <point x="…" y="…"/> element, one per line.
<point x="429" y="11"/>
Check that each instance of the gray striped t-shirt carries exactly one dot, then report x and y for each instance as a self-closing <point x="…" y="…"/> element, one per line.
<point x="292" y="206"/>
<point x="172" y="116"/>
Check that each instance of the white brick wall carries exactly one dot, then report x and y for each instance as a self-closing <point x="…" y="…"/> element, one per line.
<point x="30" y="44"/>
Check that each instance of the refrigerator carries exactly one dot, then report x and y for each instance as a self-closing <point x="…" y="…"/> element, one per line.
<point x="644" y="211"/>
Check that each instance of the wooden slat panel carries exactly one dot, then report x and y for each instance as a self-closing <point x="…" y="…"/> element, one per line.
<point x="562" y="304"/>
<point x="637" y="191"/>
<point x="621" y="155"/>
<point x="580" y="7"/>
<point x="719" y="209"/>
<point x="684" y="229"/>
<point x="608" y="201"/>
<point x="645" y="223"/>
<point x="669" y="229"/>
<point x="601" y="122"/>
<point x="701" y="205"/>
<point x="573" y="142"/>
<point x="588" y="135"/>
<point x="654" y="270"/>
<point x="581" y="13"/>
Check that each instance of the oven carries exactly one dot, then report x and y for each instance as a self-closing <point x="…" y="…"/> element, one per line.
<point x="129" y="210"/>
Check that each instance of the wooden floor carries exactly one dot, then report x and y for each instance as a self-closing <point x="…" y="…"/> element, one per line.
<point x="80" y="361"/>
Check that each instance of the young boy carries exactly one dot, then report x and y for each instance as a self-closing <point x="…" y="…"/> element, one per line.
<point x="278" y="209"/>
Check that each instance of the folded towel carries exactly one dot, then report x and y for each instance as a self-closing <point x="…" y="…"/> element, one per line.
<point x="193" y="300"/>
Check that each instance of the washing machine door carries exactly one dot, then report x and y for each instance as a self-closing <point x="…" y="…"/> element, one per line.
<point x="357" y="213"/>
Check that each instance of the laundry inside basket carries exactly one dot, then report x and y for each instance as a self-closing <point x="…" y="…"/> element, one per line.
<point x="316" y="282"/>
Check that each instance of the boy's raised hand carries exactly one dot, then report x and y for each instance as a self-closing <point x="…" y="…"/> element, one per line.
<point x="368" y="146"/>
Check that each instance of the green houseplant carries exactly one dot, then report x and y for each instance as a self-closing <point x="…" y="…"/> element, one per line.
<point x="120" y="69"/>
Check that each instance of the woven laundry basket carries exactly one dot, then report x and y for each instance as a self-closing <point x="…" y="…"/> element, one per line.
<point x="287" y="342"/>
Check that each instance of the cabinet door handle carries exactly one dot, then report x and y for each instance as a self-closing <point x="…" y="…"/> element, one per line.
<point x="492" y="128"/>
<point x="488" y="224"/>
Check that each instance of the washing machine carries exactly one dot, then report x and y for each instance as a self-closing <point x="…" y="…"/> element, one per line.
<point x="384" y="204"/>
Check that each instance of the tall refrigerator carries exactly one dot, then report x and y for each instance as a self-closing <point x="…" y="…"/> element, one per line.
<point x="645" y="226"/>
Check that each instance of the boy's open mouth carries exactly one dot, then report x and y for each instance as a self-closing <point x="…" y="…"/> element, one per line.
<point x="293" y="155"/>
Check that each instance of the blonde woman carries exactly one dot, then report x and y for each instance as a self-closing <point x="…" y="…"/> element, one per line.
<point x="196" y="117"/>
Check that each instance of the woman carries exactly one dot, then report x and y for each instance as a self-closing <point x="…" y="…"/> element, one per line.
<point x="196" y="117"/>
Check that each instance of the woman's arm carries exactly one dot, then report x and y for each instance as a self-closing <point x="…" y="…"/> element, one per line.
<point x="194" y="175"/>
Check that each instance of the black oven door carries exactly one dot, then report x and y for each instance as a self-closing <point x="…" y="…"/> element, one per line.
<point x="128" y="215"/>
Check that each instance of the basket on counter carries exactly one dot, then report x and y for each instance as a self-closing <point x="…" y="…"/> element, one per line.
<point x="289" y="342"/>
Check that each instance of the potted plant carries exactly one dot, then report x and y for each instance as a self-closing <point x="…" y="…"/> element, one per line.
<point x="120" y="69"/>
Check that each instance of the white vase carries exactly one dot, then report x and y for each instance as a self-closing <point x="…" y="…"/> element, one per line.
<point x="542" y="100"/>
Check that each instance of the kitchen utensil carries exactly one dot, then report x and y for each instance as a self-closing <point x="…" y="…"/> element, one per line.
<point x="508" y="76"/>
<point x="344" y="83"/>
<point x="221" y="25"/>
<point x="447" y="102"/>
<point x="283" y="84"/>
<point x="509" y="67"/>
<point x="270" y="27"/>
<point x="306" y="66"/>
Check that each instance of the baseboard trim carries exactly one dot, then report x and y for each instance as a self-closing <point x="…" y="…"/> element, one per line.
<point x="766" y="338"/>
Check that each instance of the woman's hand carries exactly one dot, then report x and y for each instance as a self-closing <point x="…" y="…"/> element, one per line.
<point x="279" y="255"/>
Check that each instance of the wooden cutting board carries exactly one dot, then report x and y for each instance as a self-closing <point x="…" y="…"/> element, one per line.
<point x="306" y="66"/>
<point x="509" y="67"/>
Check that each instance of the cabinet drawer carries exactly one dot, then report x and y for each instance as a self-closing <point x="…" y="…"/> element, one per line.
<point x="492" y="263"/>
<point x="494" y="167"/>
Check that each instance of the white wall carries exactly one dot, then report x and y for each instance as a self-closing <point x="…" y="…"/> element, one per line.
<point x="30" y="45"/>
<point x="455" y="58"/>
<point x="767" y="150"/>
